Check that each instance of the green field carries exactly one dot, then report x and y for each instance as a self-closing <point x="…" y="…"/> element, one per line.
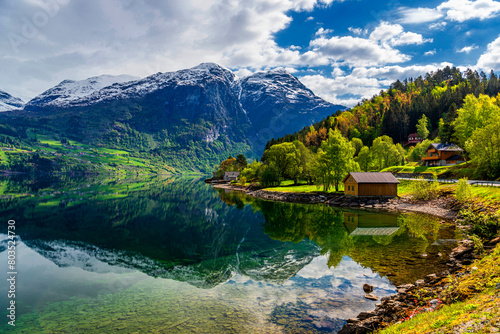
<point x="76" y="156"/>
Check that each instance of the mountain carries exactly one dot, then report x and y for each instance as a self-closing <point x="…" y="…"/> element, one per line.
<point x="70" y="91"/>
<point x="9" y="102"/>
<point x="191" y="118"/>
<point x="276" y="103"/>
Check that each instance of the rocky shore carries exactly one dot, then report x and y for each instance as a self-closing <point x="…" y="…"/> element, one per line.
<point x="443" y="207"/>
<point x="409" y="299"/>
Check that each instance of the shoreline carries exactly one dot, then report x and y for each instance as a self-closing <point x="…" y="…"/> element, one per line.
<point x="444" y="207"/>
<point x="408" y="300"/>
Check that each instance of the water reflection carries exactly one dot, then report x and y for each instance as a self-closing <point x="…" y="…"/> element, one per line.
<point x="227" y="262"/>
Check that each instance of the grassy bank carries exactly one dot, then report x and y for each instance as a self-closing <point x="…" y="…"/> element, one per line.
<point x="288" y="186"/>
<point x="476" y="308"/>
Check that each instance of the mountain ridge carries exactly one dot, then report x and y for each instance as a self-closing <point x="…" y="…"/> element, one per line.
<point x="193" y="117"/>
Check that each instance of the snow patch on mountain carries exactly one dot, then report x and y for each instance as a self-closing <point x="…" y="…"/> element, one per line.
<point x="9" y="102"/>
<point x="69" y="91"/>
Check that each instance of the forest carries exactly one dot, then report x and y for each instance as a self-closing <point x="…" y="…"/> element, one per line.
<point x="446" y="106"/>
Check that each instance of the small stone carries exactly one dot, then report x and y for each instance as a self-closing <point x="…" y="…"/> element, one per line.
<point x="419" y="282"/>
<point x="423" y="255"/>
<point x="307" y="319"/>
<point x="367" y="288"/>
<point x="371" y="296"/>
<point x="439" y="254"/>
<point x="474" y="268"/>
<point x="366" y="315"/>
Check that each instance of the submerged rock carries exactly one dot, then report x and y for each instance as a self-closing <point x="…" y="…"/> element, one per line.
<point x="371" y="296"/>
<point x="367" y="288"/>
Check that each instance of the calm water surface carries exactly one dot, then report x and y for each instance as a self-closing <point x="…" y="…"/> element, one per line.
<point x="173" y="255"/>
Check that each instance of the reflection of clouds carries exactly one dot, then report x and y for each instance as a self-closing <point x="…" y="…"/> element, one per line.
<point x="323" y="292"/>
<point x="348" y="276"/>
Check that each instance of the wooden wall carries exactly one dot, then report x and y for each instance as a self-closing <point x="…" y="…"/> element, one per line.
<point x="378" y="189"/>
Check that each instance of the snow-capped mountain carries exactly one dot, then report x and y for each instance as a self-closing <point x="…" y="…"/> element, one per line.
<point x="203" y="108"/>
<point x="105" y="88"/>
<point x="9" y="102"/>
<point x="70" y="91"/>
<point x="277" y="103"/>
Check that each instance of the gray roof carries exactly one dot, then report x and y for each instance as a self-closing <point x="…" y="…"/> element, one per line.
<point x="374" y="231"/>
<point x="232" y="174"/>
<point x="361" y="177"/>
<point x="445" y="147"/>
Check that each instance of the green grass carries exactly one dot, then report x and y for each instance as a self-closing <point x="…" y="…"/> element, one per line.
<point x="302" y="188"/>
<point x="418" y="169"/>
<point x="478" y="310"/>
<point x="489" y="196"/>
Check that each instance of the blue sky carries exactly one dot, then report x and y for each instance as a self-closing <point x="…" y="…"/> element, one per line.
<point x="343" y="50"/>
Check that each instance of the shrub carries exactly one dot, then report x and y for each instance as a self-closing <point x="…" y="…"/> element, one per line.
<point x="484" y="225"/>
<point x="425" y="190"/>
<point x="243" y="180"/>
<point x="463" y="193"/>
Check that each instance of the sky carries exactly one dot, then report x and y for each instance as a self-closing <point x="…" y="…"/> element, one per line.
<point x="344" y="50"/>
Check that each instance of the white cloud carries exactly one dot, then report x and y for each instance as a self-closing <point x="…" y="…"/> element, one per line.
<point x="463" y="10"/>
<point x="310" y="18"/>
<point x="394" y="35"/>
<point x="363" y="82"/>
<point x="356" y="51"/>
<point x="452" y="10"/>
<point x="393" y="73"/>
<point x="139" y="37"/>
<point x="386" y="31"/>
<point x="336" y="72"/>
<point x="490" y="60"/>
<point x="323" y="32"/>
<point x="467" y="49"/>
<point x="356" y="31"/>
<point x="430" y="53"/>
<point x="418" y="15"/>
<point x="438" y="25"/>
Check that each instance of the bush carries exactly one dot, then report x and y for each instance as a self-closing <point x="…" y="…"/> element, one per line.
<point x="463" y="193"/>
<point x="243" y="180"/>
<point x="425" y="190"/>
<point x="484" y="225"/>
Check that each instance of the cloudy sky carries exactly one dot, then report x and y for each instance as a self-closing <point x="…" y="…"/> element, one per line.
<point x="344" y="50"/>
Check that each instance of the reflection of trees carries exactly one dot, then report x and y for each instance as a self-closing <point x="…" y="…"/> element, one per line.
<point x="296" y="222"/>
<point x="398" y="253"/>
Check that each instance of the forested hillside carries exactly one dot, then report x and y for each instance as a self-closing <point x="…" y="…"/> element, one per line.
<point x="396" y="111"/>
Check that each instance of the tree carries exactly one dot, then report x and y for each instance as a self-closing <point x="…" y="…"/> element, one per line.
<point x="302" y="164"/>
<point x="335" y="160"/>
<point x="364" y="158"/>
<point x="252" y="171"/>
<point x="357" y="144"/>
<point x="475" y="113"/>
<point x="241" y="161"/>
<point x="419" y="151"/>
<point x="484" y="148"/>
<point x="422" y="127"/>
<point x="283" y="157"/>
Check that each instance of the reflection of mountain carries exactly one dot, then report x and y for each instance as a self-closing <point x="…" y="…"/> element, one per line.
<point x="178" y="230"/>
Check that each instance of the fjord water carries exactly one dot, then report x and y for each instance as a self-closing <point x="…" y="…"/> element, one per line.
<point x="174" y="255"/>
